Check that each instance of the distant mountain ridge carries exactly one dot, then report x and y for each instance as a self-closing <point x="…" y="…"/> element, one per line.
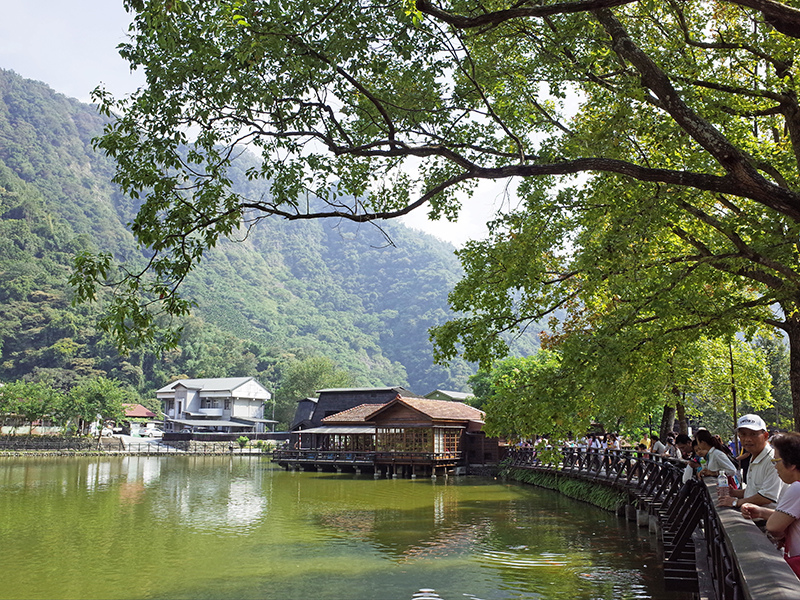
<point x="290" y="290"/>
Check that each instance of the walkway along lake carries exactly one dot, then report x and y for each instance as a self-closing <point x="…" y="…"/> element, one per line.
<point x="239" y="527"/>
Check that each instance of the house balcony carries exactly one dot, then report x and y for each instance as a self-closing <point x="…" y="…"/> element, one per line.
<point x="211" y="412"/>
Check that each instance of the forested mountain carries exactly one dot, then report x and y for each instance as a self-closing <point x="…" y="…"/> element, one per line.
<point x="287" y="291"/>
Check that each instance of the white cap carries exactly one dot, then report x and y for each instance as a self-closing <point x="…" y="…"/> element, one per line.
<point x="753" y="422"/>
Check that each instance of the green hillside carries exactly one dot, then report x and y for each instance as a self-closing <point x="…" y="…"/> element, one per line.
<point x="285" y="292"/>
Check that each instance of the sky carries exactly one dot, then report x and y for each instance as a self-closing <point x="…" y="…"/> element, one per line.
<point x="71" y="46"/>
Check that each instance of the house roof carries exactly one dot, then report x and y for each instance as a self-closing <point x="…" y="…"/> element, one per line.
<point x="217" y="384"/>
<point x="396" y="388"/>
<point x="210" y="423"/>
<point x="137" y="410"/>
<point x="459" y="396"/>
<point x="254" y="420"/>
<point x="212" y="387"/>
<point x="353" y="415"/>
<point x="341" y="430"/>
<point x="436" y="409"/>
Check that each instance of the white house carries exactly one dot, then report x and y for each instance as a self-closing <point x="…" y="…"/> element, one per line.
<point x="227" y="404"/>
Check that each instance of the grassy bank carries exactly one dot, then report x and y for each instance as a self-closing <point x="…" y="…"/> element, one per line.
<point x="585" y="491"/>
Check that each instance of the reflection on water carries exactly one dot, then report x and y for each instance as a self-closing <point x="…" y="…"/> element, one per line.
<point x="227" y="527"/>
<point x="210" y="497"/>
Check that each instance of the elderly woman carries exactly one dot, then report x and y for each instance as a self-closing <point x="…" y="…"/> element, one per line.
<point x="783" y="523"/>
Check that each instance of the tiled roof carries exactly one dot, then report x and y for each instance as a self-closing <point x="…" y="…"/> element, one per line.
<point x="442" y="409"/>
<point x="353" y="415"/>
<point x="137" y="410"/>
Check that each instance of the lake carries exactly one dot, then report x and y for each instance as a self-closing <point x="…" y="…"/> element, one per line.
<point x="238" y="527"/>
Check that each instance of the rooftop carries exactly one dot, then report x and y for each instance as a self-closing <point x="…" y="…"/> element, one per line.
<point x="396" y="388"/>
<point x="137" y="411"/>
<point x="215" y="383"/>
<point x="443" y="409"/>
<point x="352" y="415"/>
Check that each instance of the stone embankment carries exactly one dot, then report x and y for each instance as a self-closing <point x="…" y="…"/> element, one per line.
<point x="118" y="446"/>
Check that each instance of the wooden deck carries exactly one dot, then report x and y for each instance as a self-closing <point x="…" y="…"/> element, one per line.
<point x="388" y="463"/>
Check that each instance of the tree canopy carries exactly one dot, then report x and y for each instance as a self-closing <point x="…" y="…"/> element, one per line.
<point x="555" y="394"/>
<point x="681" y="120"/>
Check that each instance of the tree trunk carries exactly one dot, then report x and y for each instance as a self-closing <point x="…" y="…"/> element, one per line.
<point x="793" y="331"/>
<point x="683" y="424"/>
<point x="667" y="422"/>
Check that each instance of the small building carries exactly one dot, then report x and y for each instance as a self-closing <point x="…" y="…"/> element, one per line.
<point x="311" y="411"/>
<point x="228" y="404"/>
<point x="407" y="435"/>
<point x="137" y="416"/>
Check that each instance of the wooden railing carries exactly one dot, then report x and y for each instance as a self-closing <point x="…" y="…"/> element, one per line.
<point x="734" y="557"/>
<point x="344" y="457"/>
<point x="324" y="456"/>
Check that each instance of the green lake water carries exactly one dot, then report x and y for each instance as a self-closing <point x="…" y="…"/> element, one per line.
<point x="222" y="527"/>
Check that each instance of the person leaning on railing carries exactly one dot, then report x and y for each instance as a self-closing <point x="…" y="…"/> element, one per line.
<point x="713" y="450"/>
<point x="783" y="523"/>
<point x="687" y="448"/>
<point x="684" y="443"/>
<point x="656" y="445"/>
<point x="763" y="486"/>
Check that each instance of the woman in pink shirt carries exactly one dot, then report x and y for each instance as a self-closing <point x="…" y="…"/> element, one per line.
<point x="783" y="523"/>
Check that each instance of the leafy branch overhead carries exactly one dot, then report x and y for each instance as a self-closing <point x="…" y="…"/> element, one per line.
<point x="653" y="148"/>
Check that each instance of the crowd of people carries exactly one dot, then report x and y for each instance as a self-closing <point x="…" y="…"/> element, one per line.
<point x="763" y="479"/>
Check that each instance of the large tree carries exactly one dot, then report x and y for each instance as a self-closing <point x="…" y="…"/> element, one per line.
<point x="653" y="267"/>
<point x="623" y="380"/>
<point x="685" y="112"/>
<point x="98" y="400"/>
<point x="31" y="401"/>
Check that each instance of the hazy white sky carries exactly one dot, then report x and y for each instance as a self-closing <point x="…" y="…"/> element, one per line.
<point x="68" y="44"/>
<point x="71" y="46"/>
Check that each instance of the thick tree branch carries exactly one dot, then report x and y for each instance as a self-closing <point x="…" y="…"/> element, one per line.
<point x="783" y="18"/>
<point x="744" y="249"/>
<point x="496" y="17"/>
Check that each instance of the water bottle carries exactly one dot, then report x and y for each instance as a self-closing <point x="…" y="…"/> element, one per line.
<point x="723" y="491"/>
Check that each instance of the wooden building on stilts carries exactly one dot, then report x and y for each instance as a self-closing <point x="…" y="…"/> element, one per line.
<point x="405" y="437"/>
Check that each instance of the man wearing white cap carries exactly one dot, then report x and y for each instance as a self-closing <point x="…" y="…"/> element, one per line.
<point x="763" y="484"/>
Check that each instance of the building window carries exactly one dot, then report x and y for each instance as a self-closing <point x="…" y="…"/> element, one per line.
<point x="395" y="439"/>
<point x="446" y="440"/>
